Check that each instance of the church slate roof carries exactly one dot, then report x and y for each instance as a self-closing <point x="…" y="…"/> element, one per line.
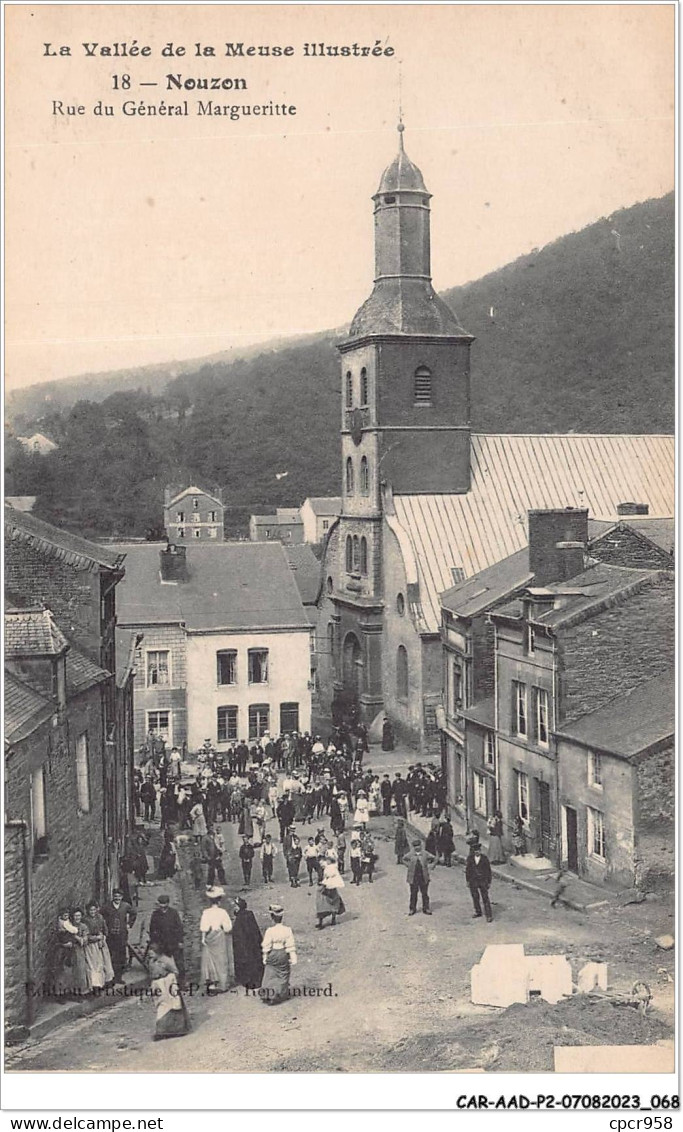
<point x="514" y="474"/>
<point x="405" y="306"/>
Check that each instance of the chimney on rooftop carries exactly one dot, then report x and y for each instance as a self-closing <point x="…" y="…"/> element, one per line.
<point x="557" y="543"/>
<point x="633" y="508"/>
<point x="174" y="563"/>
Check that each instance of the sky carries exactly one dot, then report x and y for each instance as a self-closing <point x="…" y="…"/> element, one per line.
<point x="133" y="239"/>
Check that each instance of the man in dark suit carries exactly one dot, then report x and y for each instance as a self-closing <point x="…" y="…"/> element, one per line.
<point x="119" y="917"/>
<point x="419" y="863"/>
<point x="166" y="930"/>
<point x="385" y="791"/>
<point x="478" y="877"/>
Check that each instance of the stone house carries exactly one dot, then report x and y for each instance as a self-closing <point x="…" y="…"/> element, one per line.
<point x="317" y="515"/>
<point x="192" y="514"/>
<point x="564" y="651"/>
<point x="226" y="642"/>
<point x="59" y="850"/>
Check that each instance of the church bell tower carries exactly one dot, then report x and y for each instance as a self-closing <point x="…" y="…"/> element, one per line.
<point x="405" y="377"/>
<point x="405" y="419"/>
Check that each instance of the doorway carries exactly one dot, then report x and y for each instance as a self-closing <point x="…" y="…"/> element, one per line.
<point x="353" y="665"/>
<point x="572" y="840"/>
<point x="544" y="805"/>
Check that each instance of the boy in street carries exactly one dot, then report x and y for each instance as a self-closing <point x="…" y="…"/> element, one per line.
<point x="246" y="858"/>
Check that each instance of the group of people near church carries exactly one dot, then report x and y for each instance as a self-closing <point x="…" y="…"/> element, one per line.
<point x="91" y="944"/>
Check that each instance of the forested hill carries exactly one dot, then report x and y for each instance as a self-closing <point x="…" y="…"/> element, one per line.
<point x="579" y="335"/>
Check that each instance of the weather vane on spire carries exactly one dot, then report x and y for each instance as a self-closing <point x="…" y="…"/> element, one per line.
<point x="400" y="126"/>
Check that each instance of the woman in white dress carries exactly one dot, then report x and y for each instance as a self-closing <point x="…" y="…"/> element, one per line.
<point x="215" y="926"/>
<point x="362" y="814"/>
<point x="328" y="900"/>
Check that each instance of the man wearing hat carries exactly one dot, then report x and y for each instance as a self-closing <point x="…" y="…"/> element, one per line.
<point x="119" y="917"/>
<point x="419" y="863"/>
<point x="166" y="930"/>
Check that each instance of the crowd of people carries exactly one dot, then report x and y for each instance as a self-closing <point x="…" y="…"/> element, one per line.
<point x="296" y="780"/>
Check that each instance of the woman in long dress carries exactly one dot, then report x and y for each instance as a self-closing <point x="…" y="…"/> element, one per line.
<point x="495" y="827"/>
<point x="172" y="1020"/>
<point x="362" y="814"/>
<point x="401" y="845"/>
<point x="81" y="981"/>
<point x="215" y="926"/>
<point x="168" y="858"/>
<point x="62" y="956"/>
<point x="97" y="957"/>
<point x="328" y="901"/>
<point x="246" y="943"/>
<point x="279" y="956"/>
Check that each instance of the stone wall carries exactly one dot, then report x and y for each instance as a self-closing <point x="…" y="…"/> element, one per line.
<point x="74" y="866"/>
<point x="617" y="649"/>
<point x="15" y="930"/>
<point x="73" y="595"/>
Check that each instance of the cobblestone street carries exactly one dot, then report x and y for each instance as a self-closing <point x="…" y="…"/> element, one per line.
<point x="382" y="991"/>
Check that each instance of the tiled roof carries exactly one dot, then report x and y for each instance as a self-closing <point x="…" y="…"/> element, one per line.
<point x="24" y="708"/>
<point x="662" y="532"/>
<point x="514" y="474"/>
<point x="82" y="673"/>
<point x="288" y="514"/>
<point x="481" y="591"/>
<point x="325" y="505"/>
<point x="632" y="722"/>
<point x="77" y="551"/>
<point x="265" y="519"/>
<point x="582" y="596"/>
<point x="232" y="585"/>
<point x="32" y="632"/>
<point x="306" y="570"/>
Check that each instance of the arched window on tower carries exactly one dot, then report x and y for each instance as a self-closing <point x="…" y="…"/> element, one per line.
<point x="349" y="390"/>
<point x="402" y="673"/>
<point x="363" y="386"/>
<point x="423" y="386"/>
<point x="356" y="554"/>
<point x="364" y="555"/>
<point x="349" y="554"/>
<point x="364" y="476"/>
<point x="349" y="476"/>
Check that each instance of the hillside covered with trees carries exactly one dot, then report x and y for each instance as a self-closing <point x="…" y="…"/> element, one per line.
<point x="577" y="336"/>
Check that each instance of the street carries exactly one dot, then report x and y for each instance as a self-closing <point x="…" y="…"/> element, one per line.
<point x="382" y="991"/>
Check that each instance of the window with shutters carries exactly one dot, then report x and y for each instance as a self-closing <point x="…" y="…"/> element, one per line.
<point x="226" y="666"/>
<point x="83" y="773"/>
<point x="423" y="386"/>
<point x="226" y="723"/>
<point x="158" y="668"/>
<point x="180" y="516"/>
